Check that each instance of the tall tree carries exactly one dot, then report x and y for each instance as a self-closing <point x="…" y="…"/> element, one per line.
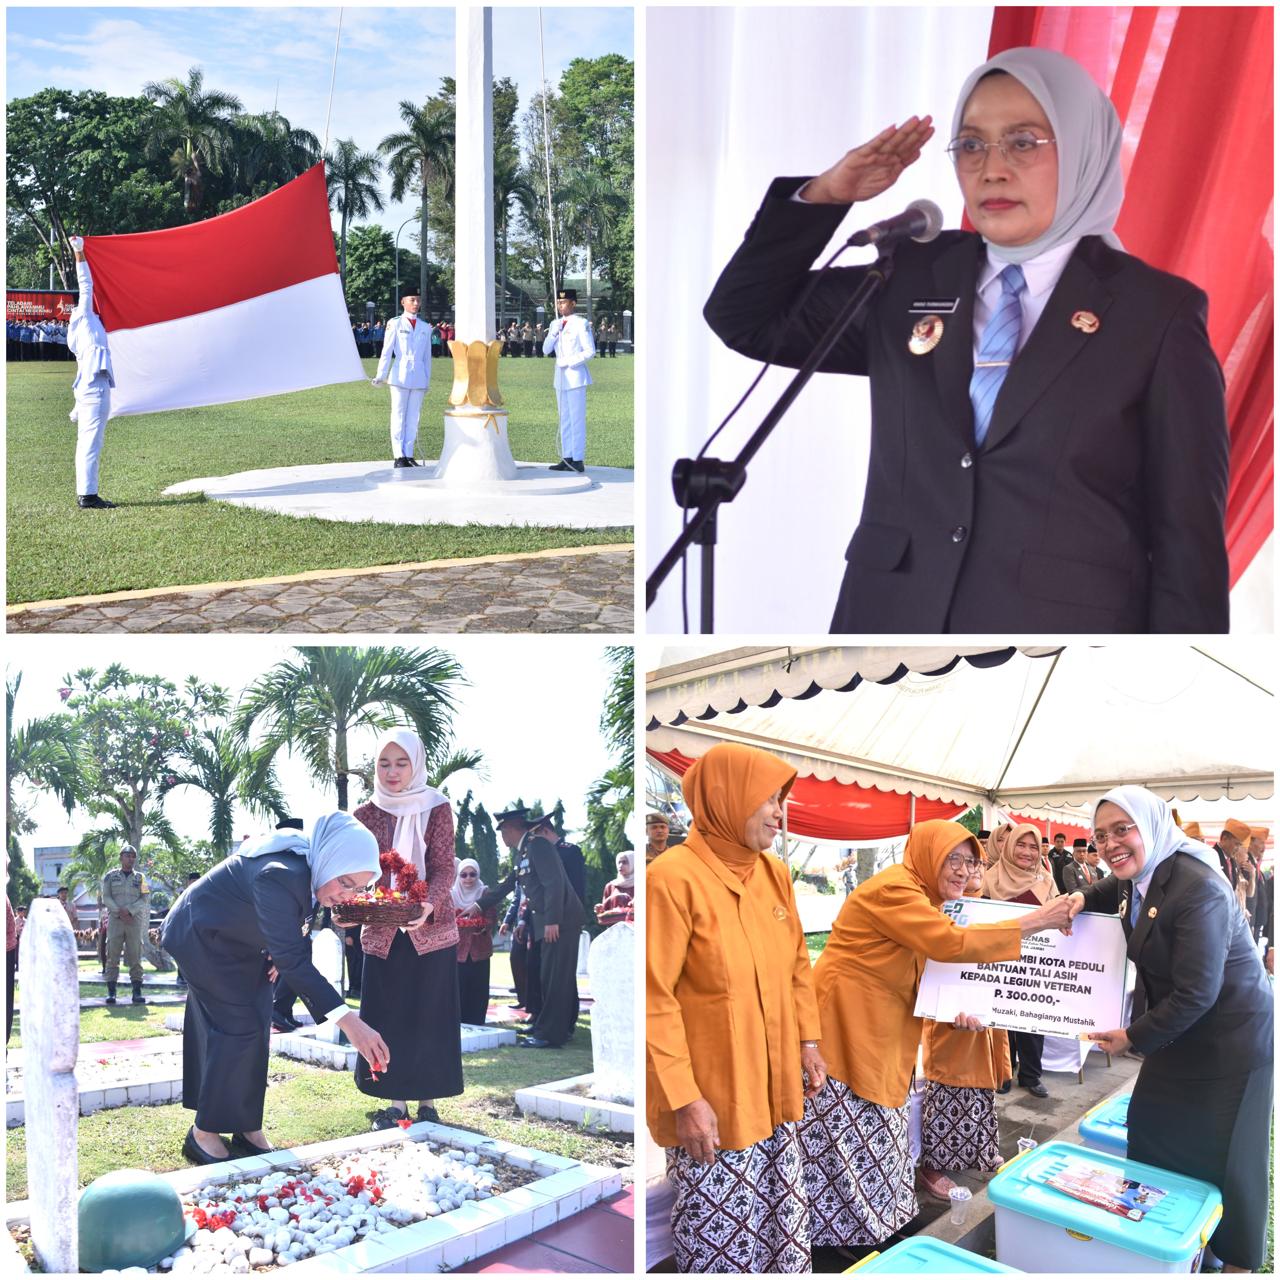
<point x="509" y="183"/>
<point x="314" y="703"/>
<point x="195" y="128"/>
<point x="417" y="156"/>
<point x="40" y="755"/>
<point x="484" y="846"/>
<point x="592" y="209"/>
<point x="352" y="176"/>
<point x="268" y="152"/>
<point x="611" y="797"/>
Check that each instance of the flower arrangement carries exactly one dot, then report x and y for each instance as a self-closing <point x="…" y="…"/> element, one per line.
<point x="466" y="921"/>
<point x="396" y="902"/>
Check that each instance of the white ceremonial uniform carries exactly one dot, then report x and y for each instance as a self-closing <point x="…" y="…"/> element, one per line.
<point x="569" y="338"/>
<point x="87" y="340"/>
<point x="405" y="366"/>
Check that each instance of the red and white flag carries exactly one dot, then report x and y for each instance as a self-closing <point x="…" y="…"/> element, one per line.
<point x="243" y="305"/>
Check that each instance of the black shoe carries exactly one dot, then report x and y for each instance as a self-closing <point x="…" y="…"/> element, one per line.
<point x="180" y="984"/>
<point x="388" y="1118"/>
<point x="240" y="1146"/>
<point x="196" y="1153"/>
<point x="563" y="465"/>
<point x="412" y="462"/>
<point x="137" y="994"/>
<point x="93" y="502"/>
<point x="401" y="462"/>
<point x="1004" y="1088"/>
<point x="577" y="464"/>
<point x="429" y="1114"/>
<point x="532" y="1042"/>
<point x="111" y="993"/>
<point x="283" y="1024"/>
<point x="1036" y="1090"/>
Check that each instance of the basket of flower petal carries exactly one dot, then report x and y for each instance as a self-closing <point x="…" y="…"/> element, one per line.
<point x="396" y="899"/>
<point x="472" y="922"/>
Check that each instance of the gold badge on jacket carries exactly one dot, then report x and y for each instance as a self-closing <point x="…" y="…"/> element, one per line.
<point x="1151" y="913"/>
<point x="780" y="913"/>
<point x="1085" y="321"/>
<point x="925" y="335"/>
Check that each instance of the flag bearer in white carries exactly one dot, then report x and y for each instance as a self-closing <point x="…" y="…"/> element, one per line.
<point x="87" y="340"/>
<point x="570" y="340"/>
<point x="406" y="366"/>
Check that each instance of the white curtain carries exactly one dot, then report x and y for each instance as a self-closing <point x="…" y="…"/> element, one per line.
<point x="734" y="98"/>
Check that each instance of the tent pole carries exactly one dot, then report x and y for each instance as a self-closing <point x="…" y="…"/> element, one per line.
<point x="1026" y="724"/>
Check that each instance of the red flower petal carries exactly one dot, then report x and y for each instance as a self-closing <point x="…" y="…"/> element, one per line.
<point x="404" y="1123"/>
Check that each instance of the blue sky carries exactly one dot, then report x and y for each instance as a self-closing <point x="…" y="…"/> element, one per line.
<point x="387" y="54"/>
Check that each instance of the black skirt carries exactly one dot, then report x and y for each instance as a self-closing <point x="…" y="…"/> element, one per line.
<point x="473" y="991"/>
<point x="1217" y="1130"/>
<point x="412" y="1002"/>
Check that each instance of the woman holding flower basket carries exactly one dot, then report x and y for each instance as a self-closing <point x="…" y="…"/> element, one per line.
<point x="410" y="987"/>
<point x="475" y="908"/>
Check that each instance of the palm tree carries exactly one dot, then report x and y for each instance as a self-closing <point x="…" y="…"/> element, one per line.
<point x="224" y="769"/>
<point x="352" y="176"/>
<point x="315" y="703"/>
<point x="593" y="207"/>
<point x="271" y="152"/>
<point x="42" y="754"/>
<point x="423" y="152"/>
<point x="617" y="719"/>
<point x="509" y="183"/>
<point x="195" y="128"/>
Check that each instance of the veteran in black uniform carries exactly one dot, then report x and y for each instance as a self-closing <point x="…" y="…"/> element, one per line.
<point x="229" y="931"/>
<point x="1203" y="1015"/>
<point x="571" y="855"/>
<point x="1049" y="445"/>
<point x="556" y="917"/>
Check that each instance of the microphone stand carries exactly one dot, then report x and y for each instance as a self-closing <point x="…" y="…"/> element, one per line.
<point x="705" y="483"/>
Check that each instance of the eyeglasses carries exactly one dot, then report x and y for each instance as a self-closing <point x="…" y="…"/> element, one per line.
<point x="466" y="875"/>
<point x="955" y="861"/>
<point x="1021" y="149"/>
<point x="1117" y="832"/>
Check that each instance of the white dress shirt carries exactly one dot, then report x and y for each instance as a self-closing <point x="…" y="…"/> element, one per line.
<point x="1041" y="274"/>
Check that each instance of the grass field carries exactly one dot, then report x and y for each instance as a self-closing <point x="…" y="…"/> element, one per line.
<point x="56" y="550"/>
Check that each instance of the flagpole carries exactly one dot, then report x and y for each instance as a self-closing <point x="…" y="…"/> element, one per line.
<point x="546" y="156"/>
<point x="333" y="79"/>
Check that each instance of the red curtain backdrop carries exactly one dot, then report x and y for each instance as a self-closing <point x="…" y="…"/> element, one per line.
<point x="1051" y="827"/>
<point x="841" y="811"/>
<point x="1193" y="88"/>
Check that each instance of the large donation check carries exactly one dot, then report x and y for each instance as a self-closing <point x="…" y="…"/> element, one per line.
<point x="1062" y="986"/>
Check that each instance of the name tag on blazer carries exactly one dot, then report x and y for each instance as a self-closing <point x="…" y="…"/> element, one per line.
<point x="936" y="306"/>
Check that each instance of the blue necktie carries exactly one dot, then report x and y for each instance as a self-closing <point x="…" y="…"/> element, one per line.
<point x="999" y="346"/>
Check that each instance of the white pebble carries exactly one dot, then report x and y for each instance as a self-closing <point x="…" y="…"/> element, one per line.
<point x="261" y="1257"/>
<point x="472" y="1158"/>
<point x="278" y="1214"/>
<point x="240" y="1265"/>
<point x="431" y="1208"/>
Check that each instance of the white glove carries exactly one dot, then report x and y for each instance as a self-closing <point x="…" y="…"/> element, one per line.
<point x="375" y="382"/>
<point x="77" y="243"/>
<point x="556" y="325"/>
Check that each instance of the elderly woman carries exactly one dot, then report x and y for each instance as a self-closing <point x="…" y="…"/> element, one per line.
<point x="222" y="928"/>
<point x="410" y="985"/>
<point x="732" y="1024"/>
<point x="959" y="1127"/>
<point x="978" y="349"/>
<point x="1202" y="1015"/>
<point x="615" y="906"/>
<point x="1019" y="874"/>
<point x="858" y="1166"/>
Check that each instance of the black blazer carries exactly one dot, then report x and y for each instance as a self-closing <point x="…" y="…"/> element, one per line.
<point x="1096" y="502"/>
<point x="1209" y="1008"/>
<point x="223" y="927"/>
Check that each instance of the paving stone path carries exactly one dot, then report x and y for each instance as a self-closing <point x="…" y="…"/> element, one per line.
<point x="543" y="592"/>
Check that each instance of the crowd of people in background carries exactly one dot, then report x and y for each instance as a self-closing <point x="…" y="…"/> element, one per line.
<point x="36" y="340"/>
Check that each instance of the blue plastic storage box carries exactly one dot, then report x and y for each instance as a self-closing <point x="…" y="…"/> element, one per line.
<point x="1106" y="1127"/>
<point x="924" y="1256"/>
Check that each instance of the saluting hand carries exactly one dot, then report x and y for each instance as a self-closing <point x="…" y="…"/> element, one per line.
<point x="697" y="1131"/>
<point x="869" y="170"/>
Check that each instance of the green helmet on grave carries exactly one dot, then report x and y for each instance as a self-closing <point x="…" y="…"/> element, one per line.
<point x="129" y="1218"/>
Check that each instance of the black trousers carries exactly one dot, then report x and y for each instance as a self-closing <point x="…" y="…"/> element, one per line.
<point x="559" y="972"/>
<point x="225" y="1048"/>
<point x="11" y="965"/>
<point x="282" y="999"/>
<point x="526" y="972"/>
<point x="1026" y="1050"/>
<point x="473" y="991"/>
<point x="355" y="959"/>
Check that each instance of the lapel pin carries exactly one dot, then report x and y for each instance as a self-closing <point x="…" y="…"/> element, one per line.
<point x="925" y="335"/>
<point x="1085" y="321"/>
<point x="1151" y="913"/>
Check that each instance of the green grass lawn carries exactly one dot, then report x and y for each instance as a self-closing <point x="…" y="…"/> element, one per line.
<point x="56" y="550"/>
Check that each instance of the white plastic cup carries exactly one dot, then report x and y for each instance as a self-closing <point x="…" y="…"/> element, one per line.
<point x="960" y="1197"/>
<point x="1026" y="1144"/>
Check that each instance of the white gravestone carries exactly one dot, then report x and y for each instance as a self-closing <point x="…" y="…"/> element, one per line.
<point x="327" y="956"/>
<point x="50" y="1004"/>
<point x="613" y="1027"/>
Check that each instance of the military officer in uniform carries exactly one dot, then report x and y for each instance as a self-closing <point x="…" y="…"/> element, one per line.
<point x="569" y="340"/>
<point x="571" y="856"/>
<point x="556" y="916"/>
<point x="87" y="339"/>
<point x="405" y="366"/>
<point x="127" y="898"/>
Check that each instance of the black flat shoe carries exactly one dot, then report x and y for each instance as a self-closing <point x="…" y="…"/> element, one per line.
<point x="241" y="1146"/>
<point x="429" y="1114"/>
<point x="532" y="1042"/>
<point x="563" y="465"/>
<point x="196" y="1153"/>
<point x="1004" y="1088"/>
<point x="1036" y="1090"/>
<point x="401" y="462"/>
<point x="283" y="1024"/>
<point x="93" y="502"/>
<point x="577" y="465"/>
<point x="388" y="1118"/>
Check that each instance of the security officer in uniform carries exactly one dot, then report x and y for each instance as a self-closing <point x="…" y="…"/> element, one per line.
<point x="406" y="366"/>
<point x="557" y="918"/>
<point x="127" y="898"/>
<point x="569" y="340"/>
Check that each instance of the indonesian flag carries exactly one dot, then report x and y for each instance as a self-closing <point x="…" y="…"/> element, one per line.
<point x="243" y="305"/>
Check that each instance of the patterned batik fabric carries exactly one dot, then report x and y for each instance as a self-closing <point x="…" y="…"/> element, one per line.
<point x="746" y="1213"/>
<point x="959" y="1129"/>
<point x="857" y="1167"/>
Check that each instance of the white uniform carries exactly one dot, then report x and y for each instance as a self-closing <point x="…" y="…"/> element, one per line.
<point x="406" y="367"/>
<point x="569" y="338"/>
<point x="87" y="340"/>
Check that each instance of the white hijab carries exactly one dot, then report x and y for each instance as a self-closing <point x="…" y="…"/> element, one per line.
<point x="464" y="898"/>
<point x="338" y="846"/>
<point x="1088" y="134"/>
<point x="412" y="805"/>
<point x="1161" y="836"/>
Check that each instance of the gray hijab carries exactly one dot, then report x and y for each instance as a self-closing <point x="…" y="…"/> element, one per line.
<point x="338" y="846"/>
<point x="1088" y="132"/>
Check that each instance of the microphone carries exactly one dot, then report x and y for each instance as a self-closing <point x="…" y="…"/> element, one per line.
<point x="921" y="221"/>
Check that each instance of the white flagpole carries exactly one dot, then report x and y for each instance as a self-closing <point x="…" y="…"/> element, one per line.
<point x="546" y="157"/>
<point x="333" y="79"/>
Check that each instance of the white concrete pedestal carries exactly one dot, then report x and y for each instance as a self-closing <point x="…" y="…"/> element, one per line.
<point x="475" y="448"/>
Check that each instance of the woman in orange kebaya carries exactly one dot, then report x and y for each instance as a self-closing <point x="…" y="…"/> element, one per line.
<point x="732" y="1023"/>
<point x="858" y="1168"/>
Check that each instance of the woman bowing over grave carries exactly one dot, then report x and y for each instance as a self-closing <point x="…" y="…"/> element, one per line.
<point x="229" y="932"/>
